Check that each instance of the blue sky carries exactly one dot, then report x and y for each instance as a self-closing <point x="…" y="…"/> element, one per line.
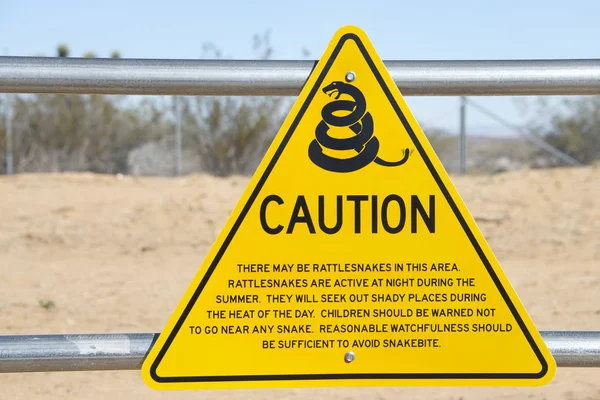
<point x="411" y="30"/>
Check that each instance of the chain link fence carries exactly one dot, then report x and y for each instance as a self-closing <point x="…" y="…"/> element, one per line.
<point x="224" y="136"/>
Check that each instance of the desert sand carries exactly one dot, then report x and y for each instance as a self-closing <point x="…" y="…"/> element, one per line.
<point x="115" y="254"/>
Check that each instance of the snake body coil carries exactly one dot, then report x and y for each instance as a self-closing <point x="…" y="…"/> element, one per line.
<point x="359" y="120"/>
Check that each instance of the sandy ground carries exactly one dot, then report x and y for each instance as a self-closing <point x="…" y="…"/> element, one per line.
<point x="115" y="254"/>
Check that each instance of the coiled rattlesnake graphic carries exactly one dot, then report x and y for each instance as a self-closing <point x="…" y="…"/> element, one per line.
<point x="359" y="120"/>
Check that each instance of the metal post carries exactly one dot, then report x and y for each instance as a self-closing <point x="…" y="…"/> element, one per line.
<point x="95" y="352"/>
<point x="462" y="141"/>
<point x="177" y="135"/>
<point x="8" y="139"/>
<point x="286" y="78"/>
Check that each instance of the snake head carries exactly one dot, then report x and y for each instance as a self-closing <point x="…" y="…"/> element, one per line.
<point x="334" y="88"/>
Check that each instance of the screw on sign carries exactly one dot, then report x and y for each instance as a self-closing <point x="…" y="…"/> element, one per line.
<point x="349" y="357"/>
<point x="349" y="260"/>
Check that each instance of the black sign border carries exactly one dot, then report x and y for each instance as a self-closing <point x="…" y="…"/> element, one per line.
<point x="351" y="376"/>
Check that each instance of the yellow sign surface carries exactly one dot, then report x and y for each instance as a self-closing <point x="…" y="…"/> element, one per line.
<point x="350" y="260"/>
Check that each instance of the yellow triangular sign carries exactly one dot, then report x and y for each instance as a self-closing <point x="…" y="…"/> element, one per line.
<point x="350" y="260"/>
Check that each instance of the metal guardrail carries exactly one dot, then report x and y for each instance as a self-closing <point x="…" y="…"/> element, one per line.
<point x="94" y="352"/>
<point x="89" y="352"/>
<point x="286" y="78"/>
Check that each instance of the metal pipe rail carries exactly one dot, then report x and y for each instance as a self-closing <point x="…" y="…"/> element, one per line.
<point x="95" y="352"/>
<point x="286" y="78"/>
